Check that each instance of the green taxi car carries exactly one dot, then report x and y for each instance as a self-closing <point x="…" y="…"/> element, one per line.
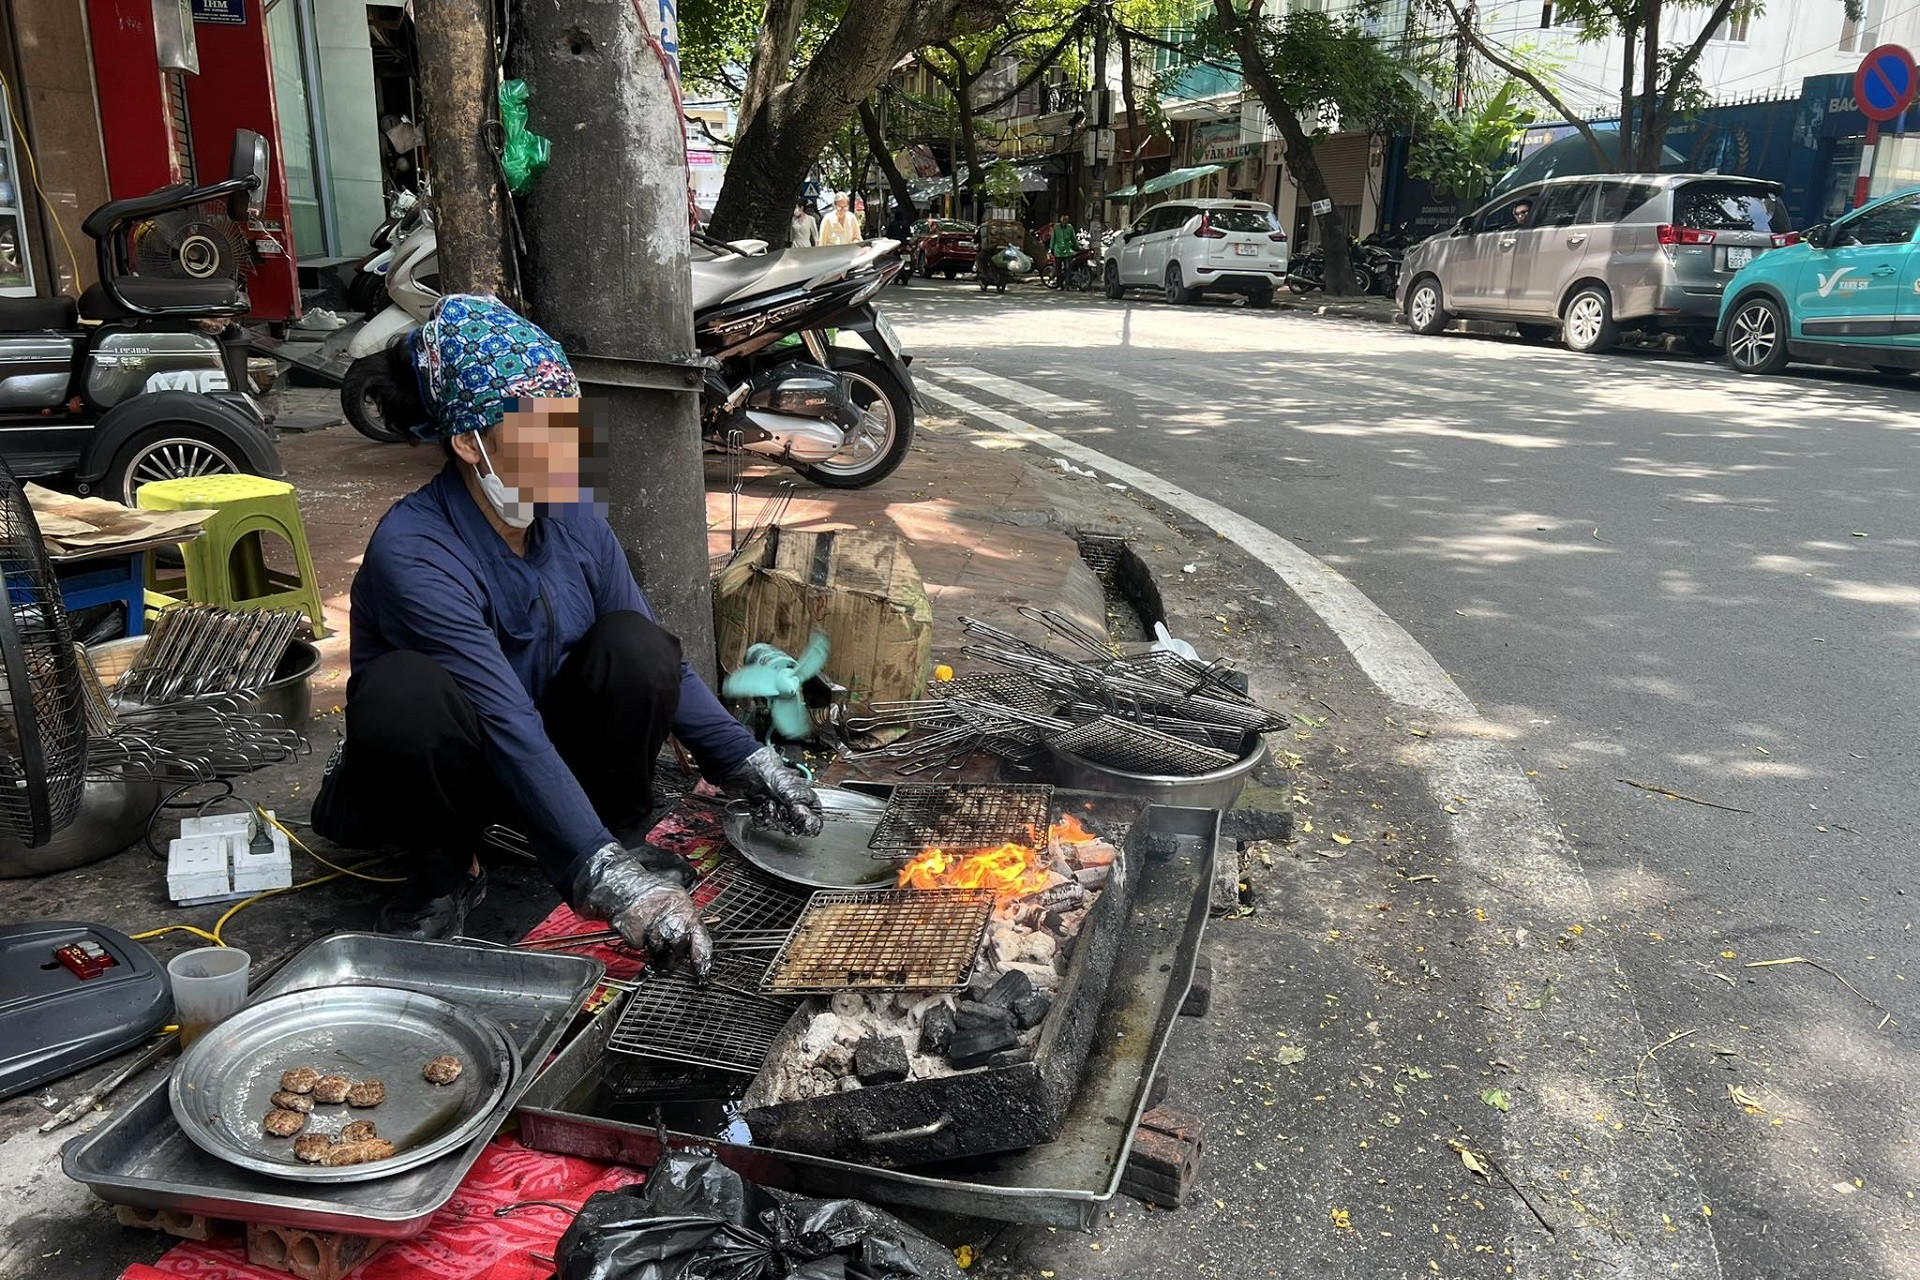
<point x="1850" y="290"/>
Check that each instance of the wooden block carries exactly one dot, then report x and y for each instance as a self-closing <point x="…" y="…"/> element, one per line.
<point x="1200" y="994"/>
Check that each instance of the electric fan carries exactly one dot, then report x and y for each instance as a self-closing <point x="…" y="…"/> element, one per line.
<point x="191" y="244"/>
<point x="43" y="734"/>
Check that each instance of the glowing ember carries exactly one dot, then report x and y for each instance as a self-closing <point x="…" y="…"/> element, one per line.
<point x="1069" y="831"/>
<point x="1011" y="871"/>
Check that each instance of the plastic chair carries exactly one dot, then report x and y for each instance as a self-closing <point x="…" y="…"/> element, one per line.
<point x="228" y="567"/>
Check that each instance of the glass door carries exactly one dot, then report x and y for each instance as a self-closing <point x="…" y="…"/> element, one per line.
<point x="16" y="262"/>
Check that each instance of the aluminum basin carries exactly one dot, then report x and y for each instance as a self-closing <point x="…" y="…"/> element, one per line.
<point x="1216" y="790"/>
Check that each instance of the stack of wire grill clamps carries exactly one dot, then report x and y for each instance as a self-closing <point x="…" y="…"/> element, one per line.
<point x="1155" y="713"/>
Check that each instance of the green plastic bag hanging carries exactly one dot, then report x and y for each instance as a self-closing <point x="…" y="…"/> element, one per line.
<point x="526" y="154"/>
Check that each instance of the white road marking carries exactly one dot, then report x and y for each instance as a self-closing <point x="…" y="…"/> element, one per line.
<point x="1610" y="1173"/>
<point x="1017" y="392"/>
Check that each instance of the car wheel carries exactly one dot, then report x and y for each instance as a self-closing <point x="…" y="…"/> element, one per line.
<point x="949" y="272"/>
<point x="1895" y="371"/>
<point x="1535" y="332"/>
<point x="873" y="452"/>
<point x="1757" y="336"/>
<point x="168" y="451"/>
<point x="1114" y="289"/>
<point x="1425" y="314"/>
<point x="1177" y="292"/>
<point x="1588" y="324"/>
<point x="1260" y="299"/>
<point x="1700" y="342"/>
<point x="361" y="409"/>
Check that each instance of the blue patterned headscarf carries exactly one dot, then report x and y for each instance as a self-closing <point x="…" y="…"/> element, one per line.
<point x="475" y="356"/>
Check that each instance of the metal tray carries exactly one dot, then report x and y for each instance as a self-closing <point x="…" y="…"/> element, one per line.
<point x="222" y="1086"/>
<point x="837" y="858"/>
<point x="1062" y="1183"/>
<point x="141" y="1157"/>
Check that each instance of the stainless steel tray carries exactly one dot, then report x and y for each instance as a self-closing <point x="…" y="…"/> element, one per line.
<point x="141" y="1157"/>
<point x="837" y="858"/>
<point x="222" y="1086"/>
<point x="1062" y="1183"/>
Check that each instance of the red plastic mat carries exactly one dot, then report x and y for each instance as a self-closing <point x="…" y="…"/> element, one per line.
<point x="466" y="1240"/>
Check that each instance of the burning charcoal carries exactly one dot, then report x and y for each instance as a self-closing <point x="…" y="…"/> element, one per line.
<point x="972" y="1017"/>
<point x="1064" y="896"/>
<point x="1094" y="854"/>
<point x="838" y="1058"/>
<point x="821" y="1034"/>
<point x="1094" y="877"/>
<point x="881" y="1060"/>
<point x="1162" y="845"/>
<point x="1038" y="946"/>
<point x="849" y="1004"/>
<point x="849" y="1083"/>
<point x="1012" y="985"/>
<point x="1028" y="1012"/>
<point x="918" y="1013"/>
<point x="936" y="1030"/>
<point x="972" y="1048"/>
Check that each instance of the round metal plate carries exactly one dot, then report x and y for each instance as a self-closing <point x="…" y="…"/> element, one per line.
<point x="837" y="858"/>
<point x="223" y="1086"/>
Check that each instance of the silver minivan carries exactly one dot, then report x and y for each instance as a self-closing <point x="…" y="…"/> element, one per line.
<point x="1592" y="255"/>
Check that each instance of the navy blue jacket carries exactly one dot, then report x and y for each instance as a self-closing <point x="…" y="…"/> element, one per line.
<point x="438" y="580"/>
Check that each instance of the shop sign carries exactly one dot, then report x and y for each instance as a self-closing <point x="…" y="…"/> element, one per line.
<point x="220" y="13"/>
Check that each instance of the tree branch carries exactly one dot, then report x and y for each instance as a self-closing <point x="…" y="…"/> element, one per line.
<point x="1533" y="81"/>
<point x="1039" y="68"/>
<point x="1683" y="66"/>
<point x="772" y="54"/>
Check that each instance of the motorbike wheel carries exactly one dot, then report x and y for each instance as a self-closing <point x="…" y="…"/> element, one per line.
<point x="359" y="407"/>
<point x="1299" y="283"/>
<point x="869" y="461"/>
<point x="168" y="451"/>
<point x="1362" y="280"/>
<point x="1080" y="278"/>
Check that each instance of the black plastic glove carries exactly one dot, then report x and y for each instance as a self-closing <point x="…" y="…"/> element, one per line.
<point x="780" y="794"/>
<point x="652" y="913"/>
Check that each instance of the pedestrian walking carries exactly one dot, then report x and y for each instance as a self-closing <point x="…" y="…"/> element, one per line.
<point x="840" y="226"/>
<point x="806" y="233"/>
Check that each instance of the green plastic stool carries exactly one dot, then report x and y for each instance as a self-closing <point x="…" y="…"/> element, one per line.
<point x="227" y="566"/>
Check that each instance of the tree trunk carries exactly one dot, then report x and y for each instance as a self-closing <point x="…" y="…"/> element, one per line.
<point x="459" y="90"/>
<point x="1301" y="160"/>
<point x="610" y="281"/>
<point x="969" y="145"/>
<point x="1647" y="144"/>
<point x="877" y="142"/>
<point x="1628" y="46"/>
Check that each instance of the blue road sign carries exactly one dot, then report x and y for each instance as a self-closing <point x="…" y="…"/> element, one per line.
<point x="1885" y="83"/>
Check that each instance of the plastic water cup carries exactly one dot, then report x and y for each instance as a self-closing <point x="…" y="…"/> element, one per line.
<point x="209" y="984"/>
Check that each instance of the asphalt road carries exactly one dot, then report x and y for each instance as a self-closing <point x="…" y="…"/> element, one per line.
<point x="1640" y="567"/>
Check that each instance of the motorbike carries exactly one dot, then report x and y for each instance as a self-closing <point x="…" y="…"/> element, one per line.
<point x="778" y="384"/>
<point x="1383" y="252"/>
<point x="1308" y="271"/>
<point x="1078" y="272"/>
<point x="366" y="292"/>
<point x="145" y="377"/>
<point x="412" y="287"/>
<point x="1001" y="267"/>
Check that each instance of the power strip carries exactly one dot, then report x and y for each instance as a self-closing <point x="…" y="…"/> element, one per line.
<point x="227" y="856"/>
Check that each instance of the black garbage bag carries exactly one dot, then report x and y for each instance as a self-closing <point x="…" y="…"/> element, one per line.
<point x="696" y="1219"/>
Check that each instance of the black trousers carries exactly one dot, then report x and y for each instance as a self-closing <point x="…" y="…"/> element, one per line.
<point x="415" y="774"/>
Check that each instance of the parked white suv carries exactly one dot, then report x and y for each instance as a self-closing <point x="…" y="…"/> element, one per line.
<point x="1193" y="247"/>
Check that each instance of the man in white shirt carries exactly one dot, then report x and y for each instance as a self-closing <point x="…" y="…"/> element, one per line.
<point x="840" y="226"/>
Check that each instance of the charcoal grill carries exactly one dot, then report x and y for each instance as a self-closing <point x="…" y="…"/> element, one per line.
<point x="884" y="940"/>
<point x="727" y="1025"/>
<point x="988" y="1109"/>
<point x="931" y="816"/>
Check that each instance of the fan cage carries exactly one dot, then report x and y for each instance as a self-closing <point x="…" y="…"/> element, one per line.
<point x="43" y="736"/>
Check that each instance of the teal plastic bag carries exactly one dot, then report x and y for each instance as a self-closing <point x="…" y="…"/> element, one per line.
<point x="526" y="154"/>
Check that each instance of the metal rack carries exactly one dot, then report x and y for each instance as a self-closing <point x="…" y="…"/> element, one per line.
<point x="725" y="1025"/>
<point x="936" y="816"/>
<point x="883" y="940"/>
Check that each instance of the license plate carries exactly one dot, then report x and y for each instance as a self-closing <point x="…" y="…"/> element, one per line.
<point x="887" y="335"/>
<point x="968" y="244"/>
<point x="1246" y="250"/>
<point x="1738" y="258"/>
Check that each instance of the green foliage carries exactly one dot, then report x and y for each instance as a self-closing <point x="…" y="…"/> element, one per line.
<point x="1002" y="185"/>
<point x="1325" y="64"/>
<point x="1459" y="156"/>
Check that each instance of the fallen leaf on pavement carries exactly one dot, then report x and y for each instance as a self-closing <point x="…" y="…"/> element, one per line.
<point x="1340" y="837"/>
<point x="1742" y="1098"/>
<point x="1340" y="1219"/>
<point x="1496" y="1098"/>
<point x="1473" y="1162"/>
<point x="1290" y="1054"/>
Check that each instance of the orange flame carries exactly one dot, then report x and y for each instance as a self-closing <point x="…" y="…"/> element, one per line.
<point x="1011" y="871"/>
<point x="1070" y="831"/>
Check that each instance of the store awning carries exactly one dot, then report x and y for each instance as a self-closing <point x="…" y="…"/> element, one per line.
<point x="1124" y="193"/>
<point x="1178" y="178"/>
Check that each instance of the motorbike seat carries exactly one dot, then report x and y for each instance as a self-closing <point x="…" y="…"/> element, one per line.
<point x="28" y="315"/>
<point x="216" y="296"/>
<point x="725" y="279"/>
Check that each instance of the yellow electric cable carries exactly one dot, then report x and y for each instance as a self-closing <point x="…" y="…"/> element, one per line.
<point x="333" y="866"/>
<point x="174" y="928"/>
<point x="33" y="171"/>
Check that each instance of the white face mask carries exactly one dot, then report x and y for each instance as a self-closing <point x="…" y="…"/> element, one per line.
<point x="505" y="502"/>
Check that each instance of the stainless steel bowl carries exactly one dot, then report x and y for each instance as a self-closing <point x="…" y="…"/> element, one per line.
<point x="288" y="696"/>
<point x="112" y="815"/>
<point x="1216" y="790"/>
